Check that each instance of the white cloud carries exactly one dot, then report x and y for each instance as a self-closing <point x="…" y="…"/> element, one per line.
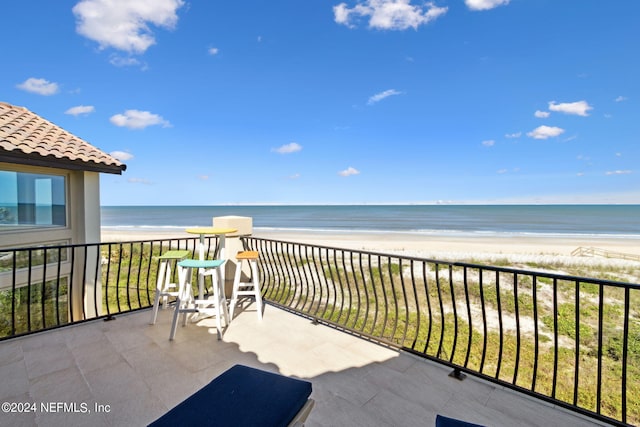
<point x="123" y="156"/>
<point x="124" y="61"/>
<point x="514" y="135"/>
<point x="502" y="171"/>
<point x="349" y="171"/>
<point x="388" y="14"/>
<point x="545" y="132"/>
<point x="213" y="51"/>
<point x="136" y="119"/>
<point x="542" y="114"/>
<point x="139" y="181"/>
<point x="489" y="143"/>
<point x="341" y="14"/>
<point x="485" y="4"/>
<point x="124" y="24"/>
<point x="621" y="98"/>
<point x="288" y="148"/>
<point x="619" y="172"/>
<point x="382" y="95"/>
<point x="80" y="109"/>
<point x="579" y="108"/>
<point x="294" y="176"/>
<point x="203" y="177"/>
<point x="39" y="86"/>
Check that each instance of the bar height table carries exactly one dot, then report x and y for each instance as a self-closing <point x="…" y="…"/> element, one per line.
<point x="211" y="231"/>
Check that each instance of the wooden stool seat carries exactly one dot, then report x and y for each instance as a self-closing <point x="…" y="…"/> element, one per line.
<point x="247" y="255"/>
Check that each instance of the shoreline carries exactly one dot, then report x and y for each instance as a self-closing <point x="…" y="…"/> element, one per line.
<point x="420" y="245"/>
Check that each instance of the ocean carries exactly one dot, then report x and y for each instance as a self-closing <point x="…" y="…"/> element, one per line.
<point x="619" y="221"/>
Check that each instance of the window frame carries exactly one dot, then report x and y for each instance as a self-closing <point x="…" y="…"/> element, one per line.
<point x="65" y="175"/>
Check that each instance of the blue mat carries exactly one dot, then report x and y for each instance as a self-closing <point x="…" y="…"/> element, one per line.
<point x="452" y="422"/>
<point x="241" y="396"/>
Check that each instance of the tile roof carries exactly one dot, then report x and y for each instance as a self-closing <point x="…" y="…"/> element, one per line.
<point x="27" y="138"/>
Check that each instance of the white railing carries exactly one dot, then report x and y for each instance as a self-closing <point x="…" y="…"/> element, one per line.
<point x="591" y="251"/>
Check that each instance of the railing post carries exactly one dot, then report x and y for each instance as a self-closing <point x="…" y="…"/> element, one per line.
<point x="457" y="374"/>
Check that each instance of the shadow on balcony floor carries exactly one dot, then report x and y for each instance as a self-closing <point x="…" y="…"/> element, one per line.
<point x="126" y="372"/>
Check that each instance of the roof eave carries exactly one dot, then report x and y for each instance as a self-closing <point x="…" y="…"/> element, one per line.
<point x="54" y="162"/>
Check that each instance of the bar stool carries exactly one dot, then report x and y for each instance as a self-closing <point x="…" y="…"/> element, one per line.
<point x="251" y="288"/>
<point x="164" y="287"/>
<point x="187" y="303"/>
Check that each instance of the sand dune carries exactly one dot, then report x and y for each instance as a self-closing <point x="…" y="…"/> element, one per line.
<point x="437" y="246"/>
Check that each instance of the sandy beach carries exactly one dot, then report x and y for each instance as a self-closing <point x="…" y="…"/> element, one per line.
<point x="431" y="246"/>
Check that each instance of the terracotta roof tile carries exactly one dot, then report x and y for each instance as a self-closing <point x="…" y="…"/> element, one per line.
<point x="25" y="134"/>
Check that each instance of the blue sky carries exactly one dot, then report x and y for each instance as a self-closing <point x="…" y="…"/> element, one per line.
<point x="371" y="101"/>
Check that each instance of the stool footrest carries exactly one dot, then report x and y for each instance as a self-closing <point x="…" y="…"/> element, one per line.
<point x="186" y="303"/>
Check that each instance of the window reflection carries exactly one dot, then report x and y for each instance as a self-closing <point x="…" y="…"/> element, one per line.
<point x="30" y="199"/>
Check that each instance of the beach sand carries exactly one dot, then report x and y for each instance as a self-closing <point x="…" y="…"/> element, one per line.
<point x="428" y="246"/>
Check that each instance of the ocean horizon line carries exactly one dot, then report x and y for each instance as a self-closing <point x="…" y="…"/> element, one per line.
<point x="453" y="204"/>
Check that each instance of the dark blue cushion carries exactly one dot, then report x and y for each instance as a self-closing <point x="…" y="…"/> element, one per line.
<point x="452" y="422"/>
<point x="241" y="396"/>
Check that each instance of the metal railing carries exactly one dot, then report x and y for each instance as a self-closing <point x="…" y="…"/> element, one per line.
<point x="47" y="287"/>
<point x="571" y="341"/>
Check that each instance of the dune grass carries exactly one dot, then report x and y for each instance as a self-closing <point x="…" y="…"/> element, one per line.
<point x="554" y="336"/>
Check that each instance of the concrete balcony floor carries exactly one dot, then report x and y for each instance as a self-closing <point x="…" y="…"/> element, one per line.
<point x="135" y="374"/>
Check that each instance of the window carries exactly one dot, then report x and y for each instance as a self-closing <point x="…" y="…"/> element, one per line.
<point x="32" y="200"/>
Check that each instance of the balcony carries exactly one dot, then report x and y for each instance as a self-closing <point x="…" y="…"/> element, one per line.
<point x="131" y="372"/>
<point x="377" y="335"/>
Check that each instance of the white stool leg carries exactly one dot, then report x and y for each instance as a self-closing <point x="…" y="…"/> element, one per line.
<point x="160" y="284"/>
<point x="236" y="285"/>
<point x="256" y="287"/>
<point x="184" y="296"/>
<point x="167" y="285"/>
<point x="216" y="298"/>
<point x="223" y="298"/>
<point x="201" y="287"/>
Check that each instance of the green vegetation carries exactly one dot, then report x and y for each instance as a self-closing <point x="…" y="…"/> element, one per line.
<point x="129" y="278"/>
<point x="412" y="305"/>
<point x="127" y="275"/>
<point x="35" y="307"/>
